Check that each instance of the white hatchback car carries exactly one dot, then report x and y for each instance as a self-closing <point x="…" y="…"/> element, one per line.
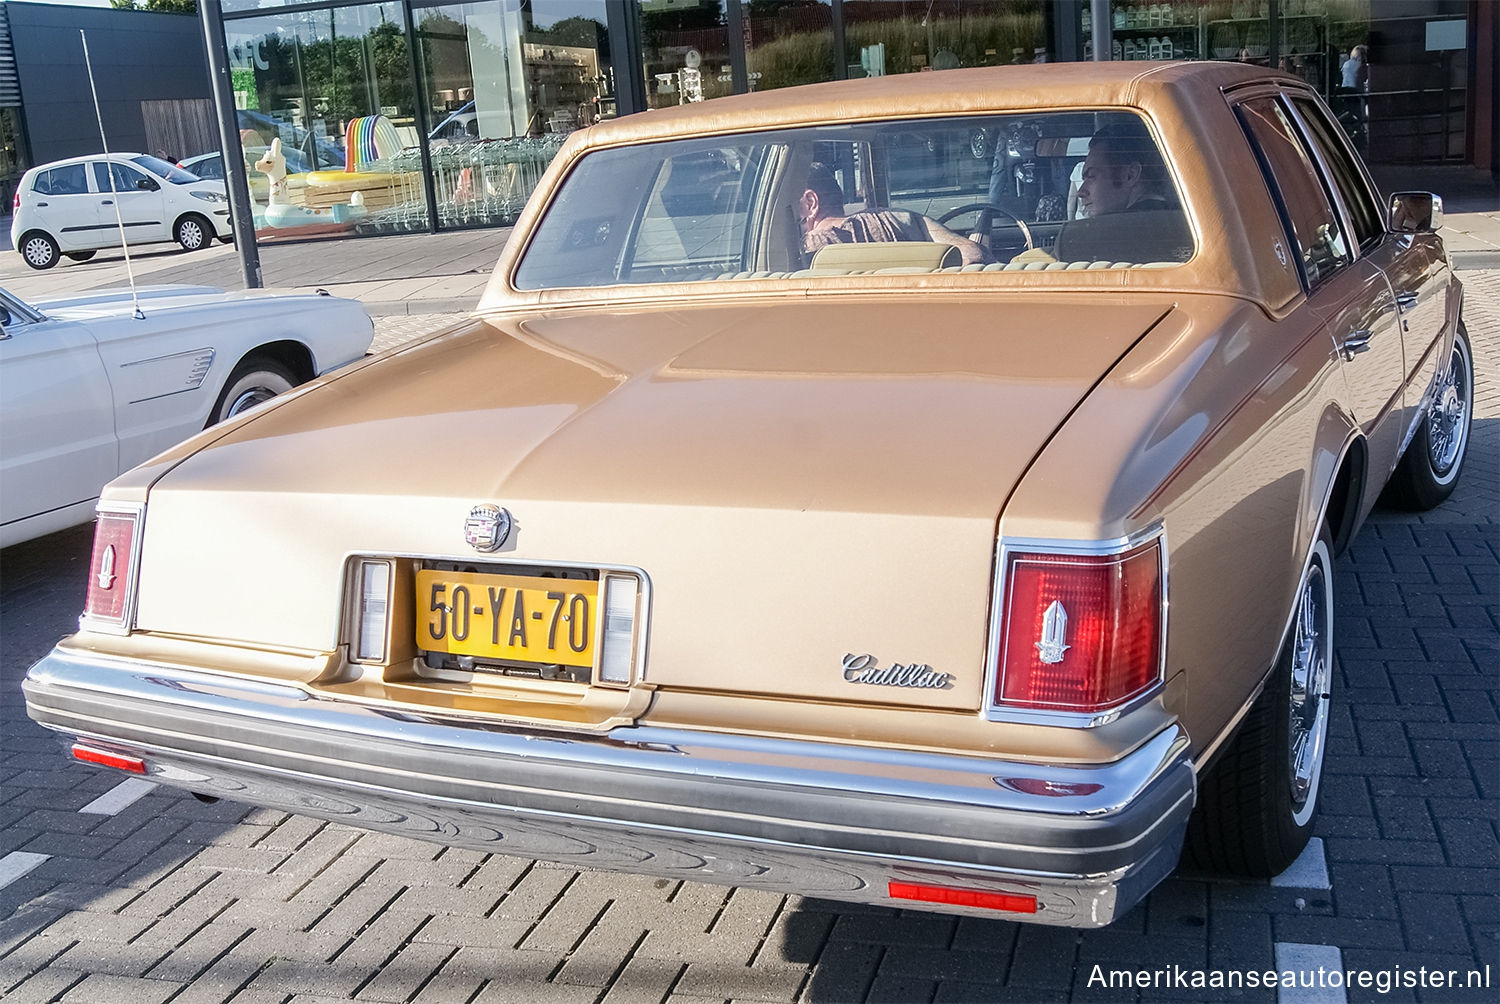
<point x="75" y="207"/>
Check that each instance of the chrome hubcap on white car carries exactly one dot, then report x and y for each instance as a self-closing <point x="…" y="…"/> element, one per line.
<point x="1446" y="425"/>
<point x="38" y="251"/>
<point x="1312" y="662"/>
<point x="249" y="399"/>
<point x="192" y="235"/>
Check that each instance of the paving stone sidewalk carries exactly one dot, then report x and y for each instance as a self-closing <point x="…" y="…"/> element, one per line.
<point x="147" y="895"/>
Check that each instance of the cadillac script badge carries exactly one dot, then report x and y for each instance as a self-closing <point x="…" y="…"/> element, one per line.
<point x="863" y="669"/>
<point x="487" y="527"/>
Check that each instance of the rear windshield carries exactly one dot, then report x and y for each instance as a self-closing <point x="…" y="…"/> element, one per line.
<point x="991" y="193"/>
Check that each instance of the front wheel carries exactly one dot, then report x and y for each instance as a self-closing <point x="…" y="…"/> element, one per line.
<point x="255" y="380"/>
<point x="1430" y="466"/>
<point x="1257" y="803"/>
<point x="193" y="232"/>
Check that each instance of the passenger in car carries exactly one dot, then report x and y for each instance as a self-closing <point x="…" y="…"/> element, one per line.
<point x="821" y="212"/>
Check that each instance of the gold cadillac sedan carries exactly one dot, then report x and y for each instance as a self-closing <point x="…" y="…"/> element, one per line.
<point x="919" y="491"/>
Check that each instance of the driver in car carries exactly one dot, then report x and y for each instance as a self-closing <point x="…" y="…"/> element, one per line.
<point x="824" y="222"/>
<point x="1123" y="172"/>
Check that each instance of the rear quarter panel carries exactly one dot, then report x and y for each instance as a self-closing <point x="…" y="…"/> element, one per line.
<point x="1226" y="426"/>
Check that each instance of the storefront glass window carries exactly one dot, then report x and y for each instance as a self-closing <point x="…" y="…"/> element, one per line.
<point x="685" y="51"/>
<point x="899" y="36"/>
<point x="334" y="87"/>
<point x="502" y="86"/>
<point x="788" y="42"/>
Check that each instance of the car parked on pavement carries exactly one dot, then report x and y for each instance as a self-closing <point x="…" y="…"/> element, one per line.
<point x="73" y="208"/>
<point x="811" y="509"/>
<point x="89" y="389"/>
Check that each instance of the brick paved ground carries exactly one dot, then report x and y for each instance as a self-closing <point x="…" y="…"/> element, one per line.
<point x="174" y="900"/>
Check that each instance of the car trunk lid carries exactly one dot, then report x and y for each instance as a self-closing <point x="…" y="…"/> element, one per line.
<point x="799" y="483"/>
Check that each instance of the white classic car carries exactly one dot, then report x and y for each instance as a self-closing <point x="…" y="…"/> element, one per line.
<point x="89" y="388"/>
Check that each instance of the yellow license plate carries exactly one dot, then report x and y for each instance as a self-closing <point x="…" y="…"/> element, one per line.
<point x="507" y="617"/>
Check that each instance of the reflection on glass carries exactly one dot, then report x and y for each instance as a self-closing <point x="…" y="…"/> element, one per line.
<point x="327" y="116"/>
<point x="1166" y="30"/>
<point x="685" y="50"/>
<point x="788" y="42"/>
<point x="897" y="36"/>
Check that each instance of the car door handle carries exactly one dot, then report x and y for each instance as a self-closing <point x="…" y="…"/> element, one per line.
<point x="41" y="205"/>
<point x="107" y="202"/>
<point x="1355" y="342"/>
<point x="1406" y="301"/>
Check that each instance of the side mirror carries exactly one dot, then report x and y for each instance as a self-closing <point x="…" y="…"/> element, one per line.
<point x="147" y="185"/>
<point x="1416" y="212"/>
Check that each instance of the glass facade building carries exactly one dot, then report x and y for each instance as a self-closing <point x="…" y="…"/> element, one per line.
<point x="416" y="115"/>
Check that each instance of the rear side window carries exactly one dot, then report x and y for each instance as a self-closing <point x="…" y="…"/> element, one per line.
<point x="1306" y="208"/>
<point x="67" y="180"/>
<point x="1364" y="213"/>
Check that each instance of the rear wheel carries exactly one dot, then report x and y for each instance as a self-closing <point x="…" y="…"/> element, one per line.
<point x="1257" y="803"/>
<point x="193" y="232"/>
<point x="1430" y="466"/>
<point x="38" y="249"/>
<point x="80" y="255"/>
<point x="253" y="381"/>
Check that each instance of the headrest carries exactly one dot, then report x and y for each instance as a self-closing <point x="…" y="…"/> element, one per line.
<point x="924" y="255"/>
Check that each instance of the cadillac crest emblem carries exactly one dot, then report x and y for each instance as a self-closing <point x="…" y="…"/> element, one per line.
<point x="487" y="527"/>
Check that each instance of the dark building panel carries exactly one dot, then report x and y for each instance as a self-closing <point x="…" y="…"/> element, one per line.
<point x="137" y="57"/>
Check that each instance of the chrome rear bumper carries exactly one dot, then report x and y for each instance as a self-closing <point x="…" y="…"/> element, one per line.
<point x="813" y="819"/>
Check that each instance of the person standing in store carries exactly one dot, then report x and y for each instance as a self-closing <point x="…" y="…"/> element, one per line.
<point x="1352" y="106"/>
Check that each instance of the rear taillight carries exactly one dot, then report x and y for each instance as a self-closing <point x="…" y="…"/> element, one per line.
<point x="16" y="202"/>
<point x="1079" y="632"/>
<point x="111" y="588"/>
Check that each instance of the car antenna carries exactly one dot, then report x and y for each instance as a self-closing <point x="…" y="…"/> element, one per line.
<point x="109" y="172"/>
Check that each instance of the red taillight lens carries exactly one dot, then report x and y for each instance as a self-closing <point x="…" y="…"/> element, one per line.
<point x="109" y="568"/>
<point x="16" y="202"/>
<point x="1080" y="632"/>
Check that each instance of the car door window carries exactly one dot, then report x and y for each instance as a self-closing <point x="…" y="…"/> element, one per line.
<point x="1364" y="211"/>
<point x="1305" y="206"/>
<point x="125" y="179"/>
<point x="66" y="180"/>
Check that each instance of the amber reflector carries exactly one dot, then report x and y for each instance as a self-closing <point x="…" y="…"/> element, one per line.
<point x="109" y="569"/>
<point x="1081" y="632"/>
<point x="1008" y="902"/>
<point x="104" y="759"/>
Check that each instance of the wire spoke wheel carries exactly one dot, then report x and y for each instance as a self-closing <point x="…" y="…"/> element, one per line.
<point x="1307" y="708"/>
<point x="1446" y="425"/>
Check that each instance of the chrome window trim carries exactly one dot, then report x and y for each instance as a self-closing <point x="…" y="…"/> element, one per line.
<point x="1329" y="179"/>
<point x="126" y="623"/>
<point x="21" y="312"/>
<point x="1362" y="173"/>
<point x="994" y="711"/>
<point x="643" y="596"/>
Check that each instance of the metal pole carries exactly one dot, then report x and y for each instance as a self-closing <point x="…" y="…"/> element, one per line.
<point x="240" y="214"/>
<point x="419" y="110"/>
<point x="1104" y="30"/>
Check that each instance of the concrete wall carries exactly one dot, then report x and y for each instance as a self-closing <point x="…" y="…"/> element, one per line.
<point x="137" y="57"/>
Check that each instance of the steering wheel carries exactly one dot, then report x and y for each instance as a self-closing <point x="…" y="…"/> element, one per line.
<point x="985" y="209"/>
